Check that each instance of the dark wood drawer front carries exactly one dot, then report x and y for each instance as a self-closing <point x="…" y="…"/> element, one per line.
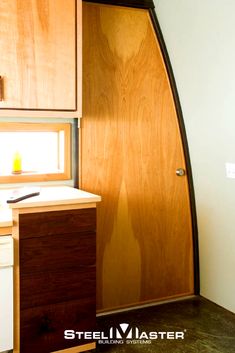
<point x="59" y="222"/>
<point x="42" y="328"/>
<point x="51" y="287"/>
<point x="57" y="256"/>
<point x="55" y="252"/>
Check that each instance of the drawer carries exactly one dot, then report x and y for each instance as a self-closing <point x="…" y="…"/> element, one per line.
<point x="42" y="328"/>
<point x="57" y="252"/>
<point x="51" y="287"/>
<point x="59" y="222"/>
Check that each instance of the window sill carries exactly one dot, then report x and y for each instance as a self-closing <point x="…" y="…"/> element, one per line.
<point x="29" y="177"/>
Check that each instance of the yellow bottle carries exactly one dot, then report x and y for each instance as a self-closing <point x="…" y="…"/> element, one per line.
<point x="17" y="163"/>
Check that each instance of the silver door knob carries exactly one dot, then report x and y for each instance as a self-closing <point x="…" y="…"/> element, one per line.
<point x="180" y="172"/>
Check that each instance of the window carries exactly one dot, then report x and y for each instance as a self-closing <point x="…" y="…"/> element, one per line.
<point x="35" y="152"/>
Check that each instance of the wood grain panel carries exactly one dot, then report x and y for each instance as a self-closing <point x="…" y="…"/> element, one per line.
<point x="66" y="251"/>
<point x="38" y="54"/>
<point x="51" y="287"/>
<point x="54" y="278"/>
<point x="57" y="222"/>
<point x="130" y="150"/>
<point x="42" y="328"/>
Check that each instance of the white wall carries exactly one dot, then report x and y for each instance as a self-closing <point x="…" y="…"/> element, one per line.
<point x="200" y="37"/>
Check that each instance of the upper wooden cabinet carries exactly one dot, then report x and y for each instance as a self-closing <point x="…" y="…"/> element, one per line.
<point x="40" y="65"/>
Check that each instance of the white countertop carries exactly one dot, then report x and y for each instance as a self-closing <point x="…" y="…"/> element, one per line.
<point x="57" y="195"/>
<point x="49" y="196"/>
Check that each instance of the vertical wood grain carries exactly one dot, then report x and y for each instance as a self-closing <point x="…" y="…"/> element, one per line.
<point x="130" y="150"/>
<point x="37" y="45"/>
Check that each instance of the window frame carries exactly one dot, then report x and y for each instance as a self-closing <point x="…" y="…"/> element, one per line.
<point x="40" y="127"/>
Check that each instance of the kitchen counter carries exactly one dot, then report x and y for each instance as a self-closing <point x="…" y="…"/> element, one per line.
<point x="49" y="196"/>
<point x="54" y="196"/>
<point x="54" y="230"/>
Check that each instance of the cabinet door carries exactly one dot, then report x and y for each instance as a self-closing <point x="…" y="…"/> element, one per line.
<point x="38" y="54"/>
<point x="57" y="280"/>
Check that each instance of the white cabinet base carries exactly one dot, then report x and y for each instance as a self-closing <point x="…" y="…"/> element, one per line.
<point x="6" y="309"/>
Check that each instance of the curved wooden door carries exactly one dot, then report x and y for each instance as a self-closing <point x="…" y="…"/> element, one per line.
<point x="130" y="150"/>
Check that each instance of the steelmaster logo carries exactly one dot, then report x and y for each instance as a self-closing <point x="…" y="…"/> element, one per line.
<point x="124" y="334"/>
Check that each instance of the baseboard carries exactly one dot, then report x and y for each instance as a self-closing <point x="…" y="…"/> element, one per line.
<point x="147" y="305"/>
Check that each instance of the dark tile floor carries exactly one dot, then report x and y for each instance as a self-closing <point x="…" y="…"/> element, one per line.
<point x="207" y="328"/>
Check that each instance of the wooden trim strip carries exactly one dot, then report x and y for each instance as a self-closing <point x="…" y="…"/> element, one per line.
<point x="76" y="206"/>
<point x="143" y="4"/>
<point x="5" y="230"/>
<point x="39" y="113"/>
<point x="76" y="154"/>
<point x="147" y="304"/>
<point x="78" y="349"/>
<point x="179" y="113"/>
<point x="33" y="127"/>
<point x="38" y="110"/>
